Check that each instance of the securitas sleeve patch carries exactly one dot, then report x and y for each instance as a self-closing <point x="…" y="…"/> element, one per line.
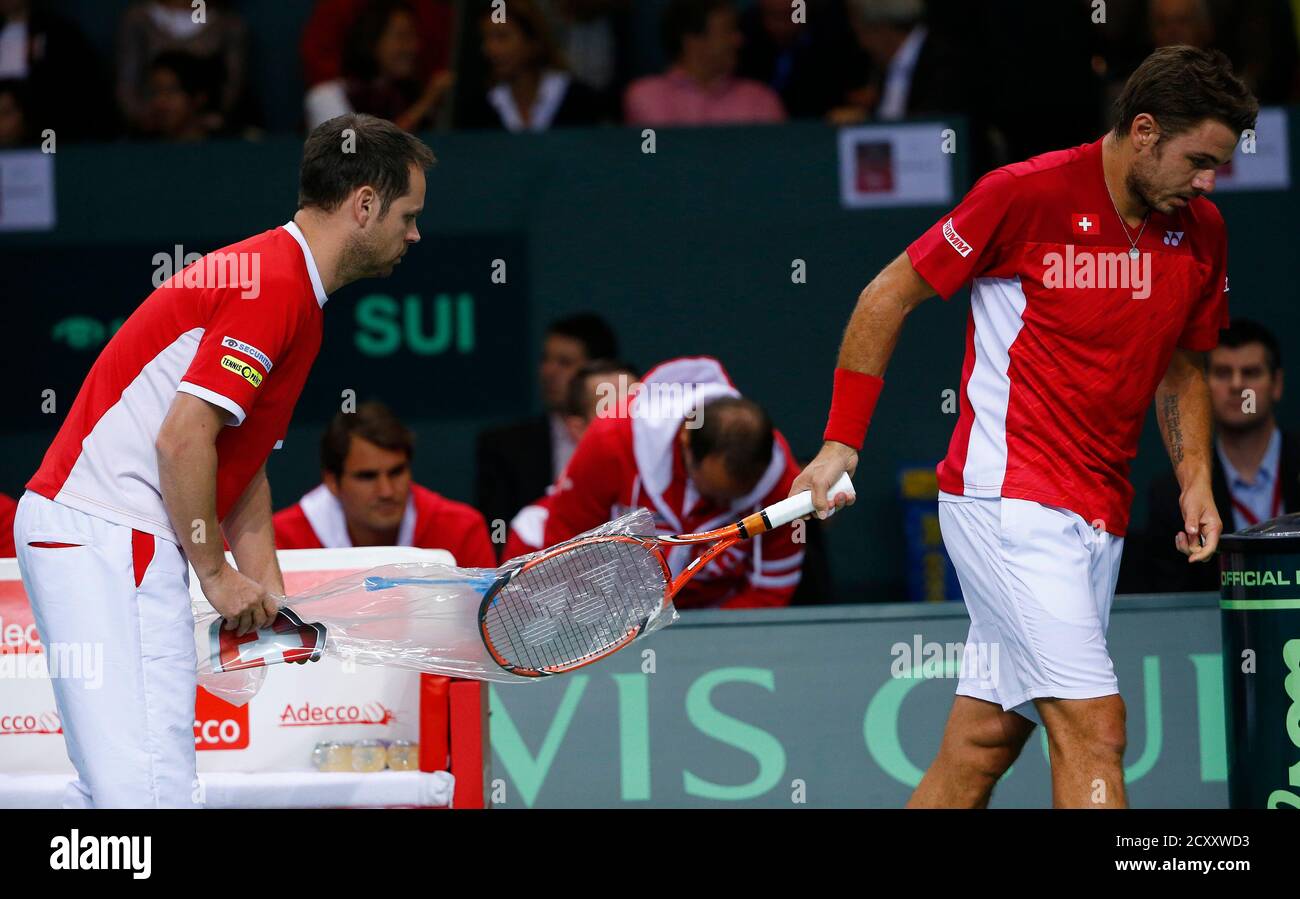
<point x="248" y="350"/>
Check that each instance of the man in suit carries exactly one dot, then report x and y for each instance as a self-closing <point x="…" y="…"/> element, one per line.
<point x="918" y="72"/>
<point x="516" y="462"/>
<point x="1255" y="469"/>
<point x="812" y="65"/>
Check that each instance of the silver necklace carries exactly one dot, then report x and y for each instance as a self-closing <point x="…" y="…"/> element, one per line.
<point x="1133" y="251"/>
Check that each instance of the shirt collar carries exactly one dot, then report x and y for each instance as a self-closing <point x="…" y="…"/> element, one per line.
<point x="321" y="297"/>
<point x="905" y="59"/>
<point x="551" y="91"/>
<point x="1268" y="466"/>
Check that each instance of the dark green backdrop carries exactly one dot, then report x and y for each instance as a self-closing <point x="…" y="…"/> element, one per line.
<point x="685" y="251"/>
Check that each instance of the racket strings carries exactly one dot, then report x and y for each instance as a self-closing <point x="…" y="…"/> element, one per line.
<point x="576" y="604"/>
<point x="576" y="610"/>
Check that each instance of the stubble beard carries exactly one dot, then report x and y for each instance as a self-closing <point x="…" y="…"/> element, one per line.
<point x="359" y="260"/>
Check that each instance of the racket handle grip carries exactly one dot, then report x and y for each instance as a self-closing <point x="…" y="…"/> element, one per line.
<point x="801" y="504"/>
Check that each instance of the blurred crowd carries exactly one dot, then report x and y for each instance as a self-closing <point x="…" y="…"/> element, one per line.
<point x="1027" y="75"/>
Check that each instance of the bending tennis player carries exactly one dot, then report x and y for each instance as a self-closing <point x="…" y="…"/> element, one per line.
<point x="1097" y="283"/>
<point x="164" y="450"/>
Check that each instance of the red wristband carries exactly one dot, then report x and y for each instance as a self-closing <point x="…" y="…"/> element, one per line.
<point x="852" y="403"/>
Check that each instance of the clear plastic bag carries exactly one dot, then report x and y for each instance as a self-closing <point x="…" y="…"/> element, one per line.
<point x="417" y="615"/>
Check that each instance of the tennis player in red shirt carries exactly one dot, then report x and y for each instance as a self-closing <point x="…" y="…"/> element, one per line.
<point x="1098" y="283"/>
<point x="164" y="452"/>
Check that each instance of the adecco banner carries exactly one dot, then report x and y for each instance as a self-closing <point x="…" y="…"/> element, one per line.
<point x="297" y="707"/>
<point x="817" y="708"/>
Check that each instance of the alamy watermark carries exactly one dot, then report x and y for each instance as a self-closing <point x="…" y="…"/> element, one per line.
<point x="975" y="661"/>
<point x="656" y="400"/>
<point x="214" y="270"/>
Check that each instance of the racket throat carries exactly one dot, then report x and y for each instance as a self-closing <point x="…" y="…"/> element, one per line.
<point x="699" y="562"/>
<point x="753" y="525"/>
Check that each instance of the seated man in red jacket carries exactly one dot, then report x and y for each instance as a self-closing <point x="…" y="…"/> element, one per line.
<point x="369" y="499"/>
<point x="595" y="388"/>
<point x="8" y="506"/>
<point x="698" y="455"/>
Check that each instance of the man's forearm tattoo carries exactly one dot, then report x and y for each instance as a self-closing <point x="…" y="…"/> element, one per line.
<point x="1173" y="429"/>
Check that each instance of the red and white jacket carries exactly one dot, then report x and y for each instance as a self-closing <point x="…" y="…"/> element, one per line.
<point x="635" y="460"/>
<point x="8" y="509"/>
<point x="431" y="521"/>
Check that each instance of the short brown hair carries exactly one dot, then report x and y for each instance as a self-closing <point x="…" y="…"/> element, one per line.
<point x="737" y="429"/>
<point x="1180" y="86"/>
<point x="577" y="399"/>
<point x="375" y="152"/>
<point x="372" y="421"/>
<point x="529" y="18"/>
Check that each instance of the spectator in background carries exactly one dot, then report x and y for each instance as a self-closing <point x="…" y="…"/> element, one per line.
<point x="328" y="31"/>
<point x="1031" y="76"/>
<point x="531" y="87"/>
<point x="180" y="91"/>
<point x="703" y="39"/>
<point x="1255" y="471"/>
<point x="916" y="73"/>
<point x="812" y="65"/>
<point x="593" y="37"/>
<point x="1262" y="44"/>
<point x="600" y="388"/>
<point x="381" y="72"/>
<point x="209" y="33"/>
<point x="58" y="70"/>
<point x="14" y="128"/>
<point x="517" y="462"/>
<point x="1180" y="22"/>
<point x="369" y="499"/>
<point x="697" y="455"/>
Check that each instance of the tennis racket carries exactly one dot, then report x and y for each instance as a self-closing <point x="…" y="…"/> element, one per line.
<point x="582" y="600"/>
<point x="540" y="615"/>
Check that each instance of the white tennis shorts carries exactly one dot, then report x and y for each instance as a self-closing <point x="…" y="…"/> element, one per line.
<point x="1038" y="583"/>
<point x="112" y="605"/>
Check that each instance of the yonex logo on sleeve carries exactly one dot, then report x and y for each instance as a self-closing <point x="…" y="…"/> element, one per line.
<point x="950" y="234"/>
<point x="243" y="369"/>
<point x="248" y="350"/>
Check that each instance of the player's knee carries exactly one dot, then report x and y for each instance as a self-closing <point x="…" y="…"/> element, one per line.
<point x="1095" y="731"/>
<point x="1108" y="739"/>
<point x="995" y="760"/>
<point x="987" y="754"/>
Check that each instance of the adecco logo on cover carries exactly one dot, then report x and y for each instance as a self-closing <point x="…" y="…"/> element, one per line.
<point x="17" y="626"/>
<point x="29" y="723"/>
<point x="15" y="636"/>
<point x="311" y="715"/>
<point x="219" y="724"/>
